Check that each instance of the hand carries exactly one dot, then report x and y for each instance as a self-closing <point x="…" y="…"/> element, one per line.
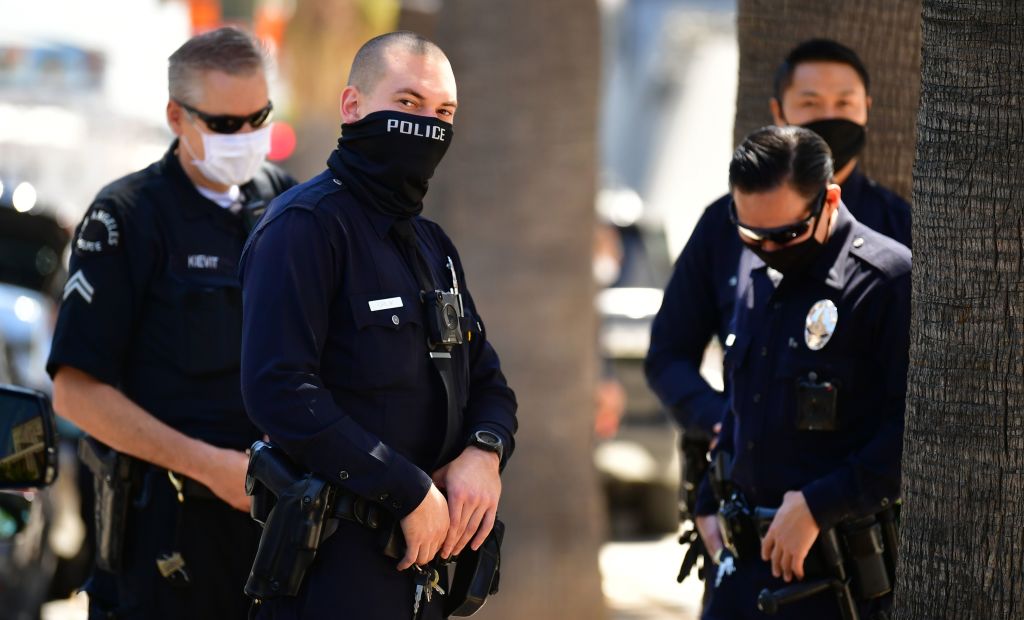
<point x="790" y="537"/>
<point x="424" y="529"/>
<point x="707" y="525"/>
<point x="223" y="472"/>
<point x="473" y="485"/>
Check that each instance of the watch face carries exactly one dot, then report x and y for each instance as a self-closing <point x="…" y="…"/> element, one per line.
<point x="488" y="438"/>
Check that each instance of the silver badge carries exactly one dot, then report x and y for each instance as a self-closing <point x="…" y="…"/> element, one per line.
<point x="820" y="325"/>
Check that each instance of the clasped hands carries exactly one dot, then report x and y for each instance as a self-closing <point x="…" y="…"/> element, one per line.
<point x="459" y="509"/>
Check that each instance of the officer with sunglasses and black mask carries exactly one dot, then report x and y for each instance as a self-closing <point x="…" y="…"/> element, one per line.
<point x="821" y="85"/>
<point x="145" y="356"/>
<point x="817" y="364"/>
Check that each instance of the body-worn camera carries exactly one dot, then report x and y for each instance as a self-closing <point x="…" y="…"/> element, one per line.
<point x="444" y="314"/>
<point x="817" y="404"/>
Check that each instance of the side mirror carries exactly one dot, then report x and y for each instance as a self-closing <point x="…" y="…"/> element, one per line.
<point x="28" y="441"/>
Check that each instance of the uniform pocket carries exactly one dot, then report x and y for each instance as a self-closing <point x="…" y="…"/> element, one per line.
<point x="212" y="323"/>
<point x="390" y="342"/>
<point x="815" y="386"/>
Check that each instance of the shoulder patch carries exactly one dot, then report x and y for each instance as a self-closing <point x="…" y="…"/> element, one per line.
<point x="99" y="233"/>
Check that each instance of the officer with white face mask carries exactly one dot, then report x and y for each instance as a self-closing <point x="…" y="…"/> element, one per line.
<point x="145" y="357"/>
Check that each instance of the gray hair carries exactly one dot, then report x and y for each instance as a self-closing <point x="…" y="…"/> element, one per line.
<point x="368" y="66"/>
<point x="229" y="50"/>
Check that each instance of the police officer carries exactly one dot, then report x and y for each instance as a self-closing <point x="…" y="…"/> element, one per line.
<point x="817" y="365"/>
<point x="821" y="85"/>
<point x="145" y="356"/>
<point x="340" y="348"/>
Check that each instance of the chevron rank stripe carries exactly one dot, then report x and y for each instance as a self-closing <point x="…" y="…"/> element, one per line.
<point x="77" y="283"/>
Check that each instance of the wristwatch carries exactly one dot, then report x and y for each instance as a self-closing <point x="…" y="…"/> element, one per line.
<point x="486" y="440"/>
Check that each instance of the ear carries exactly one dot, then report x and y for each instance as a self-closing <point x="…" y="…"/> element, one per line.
<point x="867" y="103"/>
<point x="175" y="117"/>
<point x="776" y="107"/>
<point x="350" y="100"/>
<point x="833" y="195"/>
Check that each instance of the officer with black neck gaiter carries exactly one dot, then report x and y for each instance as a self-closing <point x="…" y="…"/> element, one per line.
<point x="387" y="158"/>
<point x="365" y="361"/>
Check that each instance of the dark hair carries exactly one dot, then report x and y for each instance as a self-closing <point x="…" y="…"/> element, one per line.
<point x="818" y="50"/>
<point x="368" y="65"/>
<point x="772" y="155"/>
<point x="225" y="49"/>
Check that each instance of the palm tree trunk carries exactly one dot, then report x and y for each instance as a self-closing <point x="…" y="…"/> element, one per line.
<point x="516" y="193"/>
<point x="320" y="42"/>
<point x="963" y="461"/>
<point x="887" y="36"/>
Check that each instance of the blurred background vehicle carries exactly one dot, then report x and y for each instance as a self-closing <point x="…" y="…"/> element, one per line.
<point x="673" y="64"/>
<point x="28" y="454"/>
<point x="76" y="110"/>
<point x="45" y="551"/>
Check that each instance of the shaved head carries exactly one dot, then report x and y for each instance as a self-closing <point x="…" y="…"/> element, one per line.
<point x="372" y="60"/>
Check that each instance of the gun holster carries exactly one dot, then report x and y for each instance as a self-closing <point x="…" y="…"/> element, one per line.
<point x="115" y="476"/>
<point x="855" y="560"/>
<point x="477" y="575"/>
<point x="294" y="509"/>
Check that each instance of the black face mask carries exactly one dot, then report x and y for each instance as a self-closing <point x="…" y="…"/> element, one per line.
<point x="844" y="138"/>
<point x="792" y="259"/>
<point x="386" y="159"/>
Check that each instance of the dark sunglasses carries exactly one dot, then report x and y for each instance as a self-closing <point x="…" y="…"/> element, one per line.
<point x="226" y="123"/>
<point x="780" y="235"/>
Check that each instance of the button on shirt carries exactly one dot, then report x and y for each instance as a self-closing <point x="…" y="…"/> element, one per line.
<point x="699" y="299"/>
<point x="152" y="305"/>
<point x="846" y="472"/>
<point x="335" y="364"/>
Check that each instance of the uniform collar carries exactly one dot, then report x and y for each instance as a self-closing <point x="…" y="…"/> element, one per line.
<point x="853" y="186"/>
<point x="380" y="220"/>
<point x="193" y="204"/>
<point x="830" y="265"/>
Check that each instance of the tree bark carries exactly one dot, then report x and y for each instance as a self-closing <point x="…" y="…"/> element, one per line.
<point x="516" y="193"/>
<point x="886" y="34"/>
<point x="963" y="461"/>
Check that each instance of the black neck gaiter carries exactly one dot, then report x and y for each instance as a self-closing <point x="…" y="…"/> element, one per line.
<point x="387" y="158"/>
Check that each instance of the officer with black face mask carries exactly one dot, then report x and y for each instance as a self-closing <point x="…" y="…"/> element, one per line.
<point x="817" y="366"/>
<point x="823" y="86"/>
<point x="364" y="357"/>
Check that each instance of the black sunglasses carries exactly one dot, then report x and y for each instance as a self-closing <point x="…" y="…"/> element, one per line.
<point x="780" y="235"/>
<point x="226" y="123"/>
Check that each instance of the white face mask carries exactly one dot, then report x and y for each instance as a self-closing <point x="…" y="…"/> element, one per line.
<point x="232" y="158"/>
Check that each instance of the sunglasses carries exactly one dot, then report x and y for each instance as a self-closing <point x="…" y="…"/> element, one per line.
<point x="226" y="123"/>
<point x="780" y="235"/>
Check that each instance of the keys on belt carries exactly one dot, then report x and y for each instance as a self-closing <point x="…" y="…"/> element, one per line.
<point x="427" y="581"/>
<point x="172" y="568"/>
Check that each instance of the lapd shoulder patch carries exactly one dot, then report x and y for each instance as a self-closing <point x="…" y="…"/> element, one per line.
<point x="99" y="233"/>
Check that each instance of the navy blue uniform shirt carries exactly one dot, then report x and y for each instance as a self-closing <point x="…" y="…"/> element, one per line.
<point x="700" y="296"/>
<point x="153" y="305"/>
<point x="335" y="365"/>
<point x="843" y="473"/>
